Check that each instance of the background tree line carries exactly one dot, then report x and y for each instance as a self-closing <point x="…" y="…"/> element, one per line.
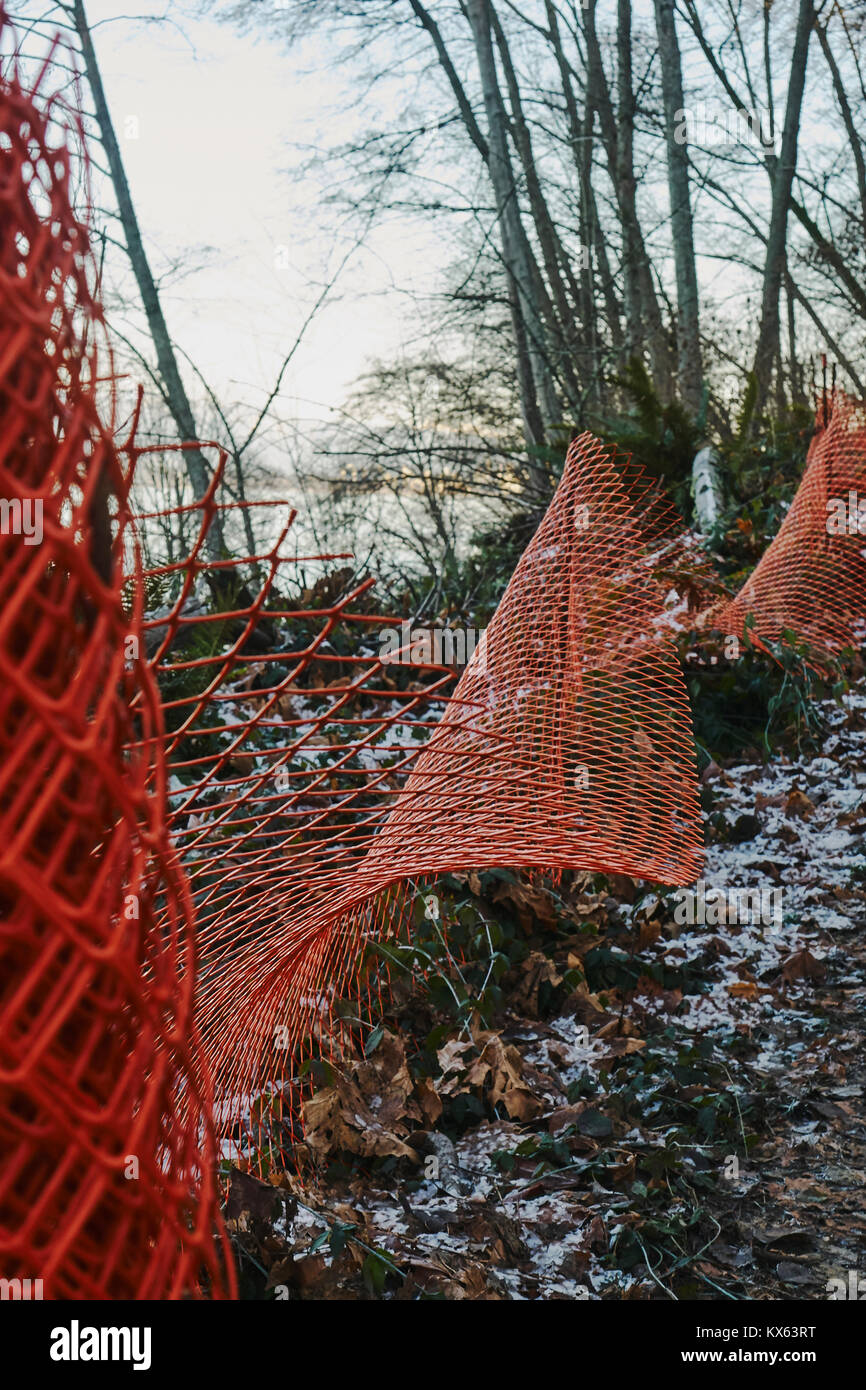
<point x="655" y="214"/>
<point x="656" y="210"/>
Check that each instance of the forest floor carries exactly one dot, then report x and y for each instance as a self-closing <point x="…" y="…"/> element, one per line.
<point x="604" y="1102"/>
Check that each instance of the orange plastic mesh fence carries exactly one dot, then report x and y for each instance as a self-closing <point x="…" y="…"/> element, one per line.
<point x="103" y="1191"/>
<point x="291" y="786"/>
<point x="812" y="578"/>
<point x="313" y="779"/>
<point x="314" y="791"/>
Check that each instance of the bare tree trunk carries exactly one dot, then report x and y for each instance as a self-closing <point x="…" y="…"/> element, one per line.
<point x="592" y="245"/>
<point x="847" y="117"/>
<point x="521" y="281"/>
<point x="515" y="247"/>
<point x="682" y="230"/>
<point x="707" y="489"/>
<point x="556" y="264"/>
<point x="829" y="252"/>
<point x="608" y="286"/>
<point x="767" y="350"/>
<point x="623" y="172"/>
<point x="599" y="96"/>
<point x="643" y="319"/>
<point x="798" y="396"/>
<point x="175" y="393"/>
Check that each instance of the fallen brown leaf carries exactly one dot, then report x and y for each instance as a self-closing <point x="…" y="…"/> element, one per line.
<point x="802" y="965"/>
<point x="798" y="804"/>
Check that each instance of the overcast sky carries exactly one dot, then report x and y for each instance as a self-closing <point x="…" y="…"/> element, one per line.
<point x="209" y="121"/>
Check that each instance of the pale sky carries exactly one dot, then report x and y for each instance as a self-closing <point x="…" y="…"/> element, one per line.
<point x="210" y="120"/>
<point x="217" y="114"/>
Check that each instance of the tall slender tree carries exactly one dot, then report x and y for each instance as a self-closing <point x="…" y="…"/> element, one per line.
<point x="173" y="388"/>
<point x="682" y="229"/>
<point x="515" y="247"/>
<point x="768" y="346"/>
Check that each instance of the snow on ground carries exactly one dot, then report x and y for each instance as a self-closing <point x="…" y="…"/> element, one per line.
<point x="553" y="1234"/>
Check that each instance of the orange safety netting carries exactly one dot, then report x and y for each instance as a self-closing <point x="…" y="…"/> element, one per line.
<point x="306" y="808"/>
<point x="313" y="779"/>
<point x="104" y="1191"/>
<point x="565" y="745"/>
<point x="811" y="580"/>
<point x="291" y="785"/>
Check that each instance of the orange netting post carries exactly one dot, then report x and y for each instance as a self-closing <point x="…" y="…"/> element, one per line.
<point x="104" y="1191"/>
